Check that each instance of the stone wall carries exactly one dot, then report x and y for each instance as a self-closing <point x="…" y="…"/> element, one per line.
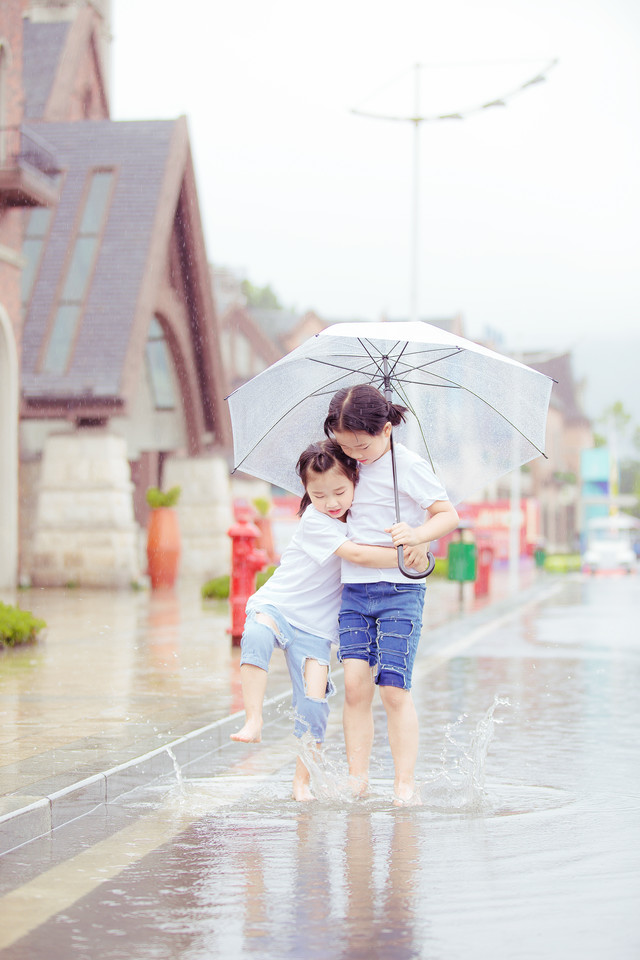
<point x="204" y="514"/>
<point x="84" y="530"/>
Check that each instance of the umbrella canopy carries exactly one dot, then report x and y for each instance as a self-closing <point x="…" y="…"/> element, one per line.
<point x="474" y="414"/>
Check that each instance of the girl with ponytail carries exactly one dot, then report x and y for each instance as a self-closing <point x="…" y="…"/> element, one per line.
<point x="297" y="608"/>
<point x="381" y="611"/>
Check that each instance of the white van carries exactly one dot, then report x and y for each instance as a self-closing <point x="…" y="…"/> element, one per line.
<point x="610" y="543"/>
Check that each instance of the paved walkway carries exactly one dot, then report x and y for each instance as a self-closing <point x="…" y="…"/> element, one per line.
<point x="89" y="711"/>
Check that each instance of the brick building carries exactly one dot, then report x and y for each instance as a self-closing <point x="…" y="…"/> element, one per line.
<point x="109" y="308"/>
<point x="555" y="482"/>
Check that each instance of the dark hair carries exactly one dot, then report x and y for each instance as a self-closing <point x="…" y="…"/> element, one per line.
<point x="321" y="457"/>
<point x="361" y="409"/>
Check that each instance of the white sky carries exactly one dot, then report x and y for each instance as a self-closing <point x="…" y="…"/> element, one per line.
<point x="529" y="214"/>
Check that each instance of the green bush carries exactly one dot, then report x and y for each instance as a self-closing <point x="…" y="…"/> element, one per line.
<point x="262" y="505"/>
<point x="441" y="568"/>
<point x="218" y="588"/>
<point x="264" y="575"/>
<point x="156" y="498"/>
<point x="563" y="563"/>
<point x="18" y="626"/>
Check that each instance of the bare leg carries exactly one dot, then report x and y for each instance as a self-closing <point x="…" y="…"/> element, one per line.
<point x="402" y="728"/>
<point x="315" y="678"/>
<point x="315" y="681"/>
<point x="302" y="782"/>
<point x="357" y="721"/>
<point x="254" y="687"/>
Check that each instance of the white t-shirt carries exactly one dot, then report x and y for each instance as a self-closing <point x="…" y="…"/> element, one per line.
<point x="373" y="507"/>
<point x="306" y="587"/>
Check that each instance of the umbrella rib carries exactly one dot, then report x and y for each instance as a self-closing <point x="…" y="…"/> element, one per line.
<point x="430" y="363"/>
<point x="506" y="419"/>
<point x="421" y="383"/>
<point x="472" y="393"/>
<point x="339" y="366"/>
<point x="398" y="358"/>
<point x="374" y="360"/>
<point x="314" y="393"/>
<point x="406" y="400"/>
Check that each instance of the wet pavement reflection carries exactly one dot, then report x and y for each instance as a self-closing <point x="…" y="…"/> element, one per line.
<point x="527" y="844"/>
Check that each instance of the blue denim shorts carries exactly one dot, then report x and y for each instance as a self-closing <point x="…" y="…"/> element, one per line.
<point x="258" y="643"/>
<point x="381" y="623"/>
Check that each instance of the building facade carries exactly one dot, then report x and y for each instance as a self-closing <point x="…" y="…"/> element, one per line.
<point x="112" y="319"/>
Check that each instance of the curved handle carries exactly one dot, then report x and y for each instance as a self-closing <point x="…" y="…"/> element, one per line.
<point x="414" y="574"/>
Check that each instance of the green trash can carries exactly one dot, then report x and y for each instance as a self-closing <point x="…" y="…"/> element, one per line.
<point x="462" y="561"/>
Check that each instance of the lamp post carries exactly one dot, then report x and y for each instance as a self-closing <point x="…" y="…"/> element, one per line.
<point x="417" y="118"/>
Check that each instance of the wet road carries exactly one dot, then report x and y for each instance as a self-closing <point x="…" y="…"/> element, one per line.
<point x="527" y="844"/>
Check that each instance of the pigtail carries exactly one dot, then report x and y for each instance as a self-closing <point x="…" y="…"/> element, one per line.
<point x="361" y="409"/>
<point x="395" y="413"/>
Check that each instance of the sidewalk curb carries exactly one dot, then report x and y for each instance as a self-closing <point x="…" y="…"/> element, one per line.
<point x="37" y="819"/>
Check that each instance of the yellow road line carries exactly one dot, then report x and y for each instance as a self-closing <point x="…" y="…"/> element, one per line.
<point x="29" y="906"/>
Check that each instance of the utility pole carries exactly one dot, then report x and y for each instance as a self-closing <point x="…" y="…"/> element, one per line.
<point x="417" y="119"/>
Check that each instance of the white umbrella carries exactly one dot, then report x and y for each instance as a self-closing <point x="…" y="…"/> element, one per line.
<point x="474" y="415"/>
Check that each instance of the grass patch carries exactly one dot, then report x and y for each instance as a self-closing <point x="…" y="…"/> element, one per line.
<point x="563" y="563"/>
<point x="218" y="588"/>
<point x="18" y="626"/>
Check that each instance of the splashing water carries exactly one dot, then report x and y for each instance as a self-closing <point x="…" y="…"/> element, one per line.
<point x="176" y="767"/>
<point x="329" y="776"/>
<point x="459" y="785"/>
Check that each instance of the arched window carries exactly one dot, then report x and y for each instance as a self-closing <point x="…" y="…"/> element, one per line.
<point x="159" y="368"/>
<point x="35" y="234"/>
<point x="86" y="245"/>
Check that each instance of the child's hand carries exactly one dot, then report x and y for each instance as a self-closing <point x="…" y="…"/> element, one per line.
<point x="403" y="535"/>
<point x="416" y="557"/>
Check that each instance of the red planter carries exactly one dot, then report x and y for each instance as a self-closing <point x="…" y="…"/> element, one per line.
<point x="163" y="547"/>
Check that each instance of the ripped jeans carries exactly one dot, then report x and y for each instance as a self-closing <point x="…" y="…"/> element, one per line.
<point x="258" y="643"/>
<point x="381" y="623"/>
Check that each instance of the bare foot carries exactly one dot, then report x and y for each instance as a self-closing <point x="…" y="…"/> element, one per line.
<point x="358" y="787"/>
<point x="405" y="795"/>
<point x="302" y="783"/>
<point x="250" y="733"/>
<point x="302" y="791"/>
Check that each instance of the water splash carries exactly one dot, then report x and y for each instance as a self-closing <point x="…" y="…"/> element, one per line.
<point x="458" y="786"/>
<point x="176" y="767"/>
<point x="330" y="778"/>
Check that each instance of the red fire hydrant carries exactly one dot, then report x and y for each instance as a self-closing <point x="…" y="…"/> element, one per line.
<point x="246" y="560"/>
<point x="485" y="562"/>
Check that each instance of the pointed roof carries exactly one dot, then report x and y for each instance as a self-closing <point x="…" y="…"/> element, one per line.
<point x="153" y="198"/>
<point x="62" y="66"/>
<point x="43" y="45"/>
<point x="138" y="154"/>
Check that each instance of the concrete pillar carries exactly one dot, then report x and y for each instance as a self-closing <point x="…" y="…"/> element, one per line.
<point x="204" y="514"/>
<point x="85" y="532"/>
<point x="8" y="453"/>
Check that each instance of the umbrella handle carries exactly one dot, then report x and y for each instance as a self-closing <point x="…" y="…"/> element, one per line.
<point x="431" y="562"/>
<point x="413" y="574"/>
